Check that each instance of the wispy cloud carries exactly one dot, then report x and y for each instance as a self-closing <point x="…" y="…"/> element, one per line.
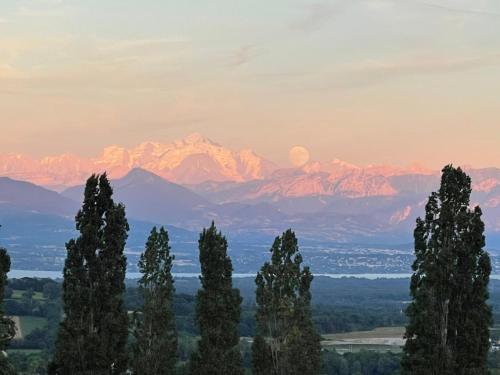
<point x="474" y="11"/>
<point x="425" y="65"/>
<point x="372" y="72"/>
<point x="69" y="64"/>
<point x="125" y="51"/>
<point x="315" y="15"/>
<point x="43" y="9"/>
<point x="135" y="44"/>
<point x="242" y="55"/>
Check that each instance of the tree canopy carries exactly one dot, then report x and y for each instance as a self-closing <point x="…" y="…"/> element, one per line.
<point x="93" y="334"/>
<point x="155" y="347"/>
<point x="218" y="310"/>
<point x="286" y="342"/>
<point x="449" y="319"/>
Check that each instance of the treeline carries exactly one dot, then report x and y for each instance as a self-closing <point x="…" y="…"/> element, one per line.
<point x="448" y="318"/>
<point x="42" y="298"/>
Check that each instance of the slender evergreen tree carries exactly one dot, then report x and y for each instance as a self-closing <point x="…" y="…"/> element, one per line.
<point x="93" y="333"/>
<point x="7" y="327"/>
<point x="449" y="319"/>
<point x="286" y="342"/>
<point x="155" y="348"/>
<point x="218" y="308"/>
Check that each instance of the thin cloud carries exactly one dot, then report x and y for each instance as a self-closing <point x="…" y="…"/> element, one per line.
<point x="372" y="72"/>
<point x="314" y="16"/>
<point x="40" y="12"/>
<point x="481" y="12"/>
<point x="419" y="66"/>
<point x="242" y="56"/>
<point x="137" y="44"/>
<point x="43" y="9"/>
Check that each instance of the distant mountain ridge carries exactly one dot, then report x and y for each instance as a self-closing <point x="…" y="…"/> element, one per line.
<point x="191" y="160"/>
<point x="337" y="180"/>
<point x="149" y="197"/>
<point x="25" y="196"/>
<point x="190" y="182"/>
<point x="234" y="176"/>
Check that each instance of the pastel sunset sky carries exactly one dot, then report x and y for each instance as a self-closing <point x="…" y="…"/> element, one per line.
<point x="367" y="81"/>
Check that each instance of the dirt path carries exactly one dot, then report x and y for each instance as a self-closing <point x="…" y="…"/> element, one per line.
<point x="17" y="322"/>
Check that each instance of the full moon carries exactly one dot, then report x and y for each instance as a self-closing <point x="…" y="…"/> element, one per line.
<point x="298" y="156"/>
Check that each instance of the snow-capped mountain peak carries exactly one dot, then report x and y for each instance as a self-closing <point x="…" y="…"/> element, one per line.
<point x="191" y="160"/>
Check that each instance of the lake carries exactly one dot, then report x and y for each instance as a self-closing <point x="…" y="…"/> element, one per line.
<point x="16" y="274"/>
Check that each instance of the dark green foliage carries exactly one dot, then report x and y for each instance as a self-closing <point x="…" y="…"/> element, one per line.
<point x="217" y="311"/>
<point x="29" y="363"/>
<point x="93" y="334"/>
<point x="155" y="348"/>
<point x="347" y="304"/>
<point x="361" y="363"/>
<point x="448" y="318"/>
<point x="286" y="340"/>
<point x="262" y="359"/>
<point x="7" y="329"/>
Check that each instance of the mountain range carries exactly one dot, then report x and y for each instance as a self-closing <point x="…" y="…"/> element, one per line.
<point x="191" y="160"/>
<point x="206" y="166"/>
<point x="339" y="210"/>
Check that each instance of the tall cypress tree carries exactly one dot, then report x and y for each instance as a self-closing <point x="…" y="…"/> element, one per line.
<point x="286" y="342"/>
<point x="449" y="319"/>
<point x="7" y="328"/>
<point x="155" y="348"/>
<point x="218" y="308"/>
<point x="93" y="333"/>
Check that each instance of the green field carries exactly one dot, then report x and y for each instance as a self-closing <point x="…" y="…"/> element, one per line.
<point x="380" y="332"/>
<point x="30" y="323"/>
<point x="18" y="294"/>
<point x="25" y="351"/>
<point x="379" y="339"/>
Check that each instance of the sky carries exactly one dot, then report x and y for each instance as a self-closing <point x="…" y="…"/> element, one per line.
<point x="366" y="81"/>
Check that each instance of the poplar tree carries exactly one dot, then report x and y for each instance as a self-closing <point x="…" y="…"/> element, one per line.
<point x="155" y="348"/>
<point x="93" y="334"/>
<point x="449" y="319"/>
<point x="286" y="342"/>
<point x="7" y="327"/>
<point x="218" y="308"/>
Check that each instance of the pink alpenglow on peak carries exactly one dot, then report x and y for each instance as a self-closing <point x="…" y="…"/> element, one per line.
<point x="196" y="160"/>
<point x="192" y="160"/>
